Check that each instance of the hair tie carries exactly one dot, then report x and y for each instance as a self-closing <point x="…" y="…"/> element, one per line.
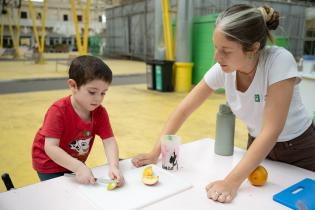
<point x="266" y="16"/>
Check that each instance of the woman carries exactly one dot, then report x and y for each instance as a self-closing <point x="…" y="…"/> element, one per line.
<point x="261" y="89"/>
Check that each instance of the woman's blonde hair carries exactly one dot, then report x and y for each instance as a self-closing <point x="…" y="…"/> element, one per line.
<point x="246" y="24"/>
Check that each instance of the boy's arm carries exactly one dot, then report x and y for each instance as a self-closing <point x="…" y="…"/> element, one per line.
<point x="58" y="155"/>
<point x="112" y="155"/>
<point x="111" y="151"/>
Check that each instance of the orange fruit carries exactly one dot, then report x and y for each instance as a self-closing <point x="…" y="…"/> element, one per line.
<point x="259" y="176"/>
<point x="150" y="180"/>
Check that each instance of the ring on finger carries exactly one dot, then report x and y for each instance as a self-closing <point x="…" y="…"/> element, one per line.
<point x="217" y="193"/>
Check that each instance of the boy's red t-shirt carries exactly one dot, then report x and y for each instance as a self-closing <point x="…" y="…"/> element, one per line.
<point x="76" y="136"/>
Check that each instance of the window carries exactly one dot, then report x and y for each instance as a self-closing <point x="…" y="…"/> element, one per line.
<point x="79" y="18"/>
<point x="38" y="16"/>
<point x="100" y="19"/>
<point x="65" y="17"/>
<point x="23" y="15"/>
<point x="309" y="39"/>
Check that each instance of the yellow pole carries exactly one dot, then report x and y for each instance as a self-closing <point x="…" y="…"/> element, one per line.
<point x="167" y="30"/>
<point x="30" y="7"/>
<point x="76" y="27"/>
<point x="42" y="47"/>
<point x="1" y="31"/>
<point x="18" y="27"/>
<point x="15" y="45"/>
<point x="41" y="43"/>
<point x="86" y="26"/>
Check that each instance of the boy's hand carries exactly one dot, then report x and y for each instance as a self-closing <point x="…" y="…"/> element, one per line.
<point x="114" y="173"/>
<point x="84" y="175"/>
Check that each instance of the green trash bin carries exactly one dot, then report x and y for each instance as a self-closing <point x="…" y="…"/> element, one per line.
<point x="202" y="46"/>
<point x="95" y="45"/>
<point x="282" y="41"/>
<point x="164" y="75"/>
<point x="150" y="74"/>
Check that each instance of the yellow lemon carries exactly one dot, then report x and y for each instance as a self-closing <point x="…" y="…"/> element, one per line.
<point x="148" y="171"/>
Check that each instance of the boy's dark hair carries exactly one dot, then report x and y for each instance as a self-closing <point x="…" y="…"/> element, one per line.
<point x="85" y="68"/>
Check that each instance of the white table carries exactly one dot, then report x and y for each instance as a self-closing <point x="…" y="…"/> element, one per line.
<point x="199" y="165"/>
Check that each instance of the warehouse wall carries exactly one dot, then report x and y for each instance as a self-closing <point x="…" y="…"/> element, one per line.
<point x="130" y="27"/>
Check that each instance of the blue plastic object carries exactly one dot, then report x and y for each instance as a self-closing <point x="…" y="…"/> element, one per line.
<point x="309" y="58"/>
<point x="298" y="196"/>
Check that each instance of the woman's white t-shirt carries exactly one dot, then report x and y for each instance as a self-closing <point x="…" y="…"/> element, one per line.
<point x="275" y="64"/>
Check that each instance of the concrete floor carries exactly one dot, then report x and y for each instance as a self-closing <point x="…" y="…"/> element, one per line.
<point x="137" y="116"/>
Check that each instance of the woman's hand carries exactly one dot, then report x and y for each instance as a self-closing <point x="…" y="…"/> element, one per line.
<point x="144" y="159"/>
<point x="84" y="175"/>
<point x="221" y="191"/>
<point x="114" y="173"/>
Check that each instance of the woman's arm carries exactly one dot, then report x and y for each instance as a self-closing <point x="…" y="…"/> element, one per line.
<point x="274" y="117"/>
<point x="190" y="103"/>
<point x="58" y="155"/>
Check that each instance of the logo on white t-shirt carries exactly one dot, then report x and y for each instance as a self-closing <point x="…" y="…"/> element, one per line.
<point x="259" y="98"/>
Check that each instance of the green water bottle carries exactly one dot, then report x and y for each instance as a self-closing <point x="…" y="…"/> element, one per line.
<point x="224" y="136"/>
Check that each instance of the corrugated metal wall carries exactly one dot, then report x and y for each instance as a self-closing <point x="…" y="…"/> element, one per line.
<point x="130" y="28"/>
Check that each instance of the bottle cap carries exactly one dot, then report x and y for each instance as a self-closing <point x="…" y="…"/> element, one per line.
<point x="225" y="109"/>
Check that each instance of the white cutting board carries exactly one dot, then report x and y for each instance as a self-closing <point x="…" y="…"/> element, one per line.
<point x="134" y="194"/>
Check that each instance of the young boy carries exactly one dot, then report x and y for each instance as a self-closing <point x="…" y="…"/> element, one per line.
<point x="65" y="139"/>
